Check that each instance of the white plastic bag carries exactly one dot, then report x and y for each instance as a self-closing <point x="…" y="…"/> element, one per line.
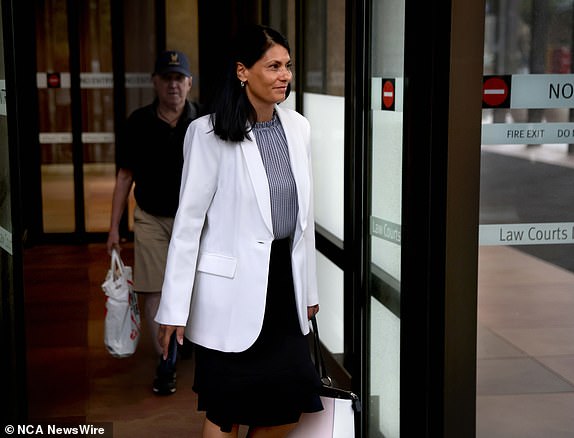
<point x="122" y="321"/>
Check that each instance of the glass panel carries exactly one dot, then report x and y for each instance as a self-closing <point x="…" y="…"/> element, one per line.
<point x="525" y="381"/>
<point x="384" y="397"/>
<point x="5" y="196"/>
<point x="324" y="107"/>
<point x="330" y="282"/>
<point x="54" y="116"/>
<point x="58" y="194"/>
<point x="282" y="17"/>
<point x="327" y="117"/>
<point x="182" y="34"/>
<point x="10" y="304"/>
<point x="97" y="104"/>
<point x="140" y="49"/>
<point x="324" y="57"/>
<point x="98" y="113"/>
<point x="386" y="186"/>
<point x="140" y="53"/>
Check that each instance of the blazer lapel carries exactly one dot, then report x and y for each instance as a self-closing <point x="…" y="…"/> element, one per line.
<point x="258" y="179"/>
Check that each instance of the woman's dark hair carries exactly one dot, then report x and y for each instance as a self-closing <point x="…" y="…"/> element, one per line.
<point x="232" y="112"/>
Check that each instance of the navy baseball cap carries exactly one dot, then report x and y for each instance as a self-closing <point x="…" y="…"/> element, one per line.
<point x="172" y="61"/>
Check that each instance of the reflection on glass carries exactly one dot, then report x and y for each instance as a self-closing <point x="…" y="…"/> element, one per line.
<point x="525" y="300"/>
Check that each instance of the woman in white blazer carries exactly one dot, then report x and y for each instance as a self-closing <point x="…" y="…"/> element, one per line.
<point x="240" y="280"/>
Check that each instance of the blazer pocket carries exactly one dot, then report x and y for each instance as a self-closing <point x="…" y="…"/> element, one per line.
<point x="217" y="264"/>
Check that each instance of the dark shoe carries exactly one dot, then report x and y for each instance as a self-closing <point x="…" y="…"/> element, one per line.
<point x="164" y="382"/>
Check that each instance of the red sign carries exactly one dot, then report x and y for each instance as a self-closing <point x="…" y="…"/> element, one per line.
<point x="388" y="97"/>
<point x="496" y="91"/>
<point x="54" y="80"/>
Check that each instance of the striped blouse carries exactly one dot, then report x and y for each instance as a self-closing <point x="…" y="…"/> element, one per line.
<point x="272" y="145"/>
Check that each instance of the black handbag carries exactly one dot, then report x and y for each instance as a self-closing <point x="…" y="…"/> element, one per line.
<point x="337" y="419"/>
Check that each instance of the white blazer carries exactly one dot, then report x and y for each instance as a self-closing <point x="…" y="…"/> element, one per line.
<point x="218" y="260"/>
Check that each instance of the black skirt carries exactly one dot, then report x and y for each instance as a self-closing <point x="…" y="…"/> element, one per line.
<point x="273" y="381"/>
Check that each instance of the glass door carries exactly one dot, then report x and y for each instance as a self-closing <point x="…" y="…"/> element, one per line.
<point x="84" y="48"/>
<point x="5" y="197"/>
<point x="323" y="84"/>
<point x="525" y="384"/>
<point x="12" y="337"/>
<point x="54" y="109"/>
<point x="77" y="110"/>
<point x="387" y="55"/>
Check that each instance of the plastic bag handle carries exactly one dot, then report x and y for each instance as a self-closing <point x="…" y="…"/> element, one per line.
<point x="117" y="265"/>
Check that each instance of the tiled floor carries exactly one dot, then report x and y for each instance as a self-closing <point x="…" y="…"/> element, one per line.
<point x="525" y="351"/>
<point x="525" y="385"/>
<point x="71" y="375"/>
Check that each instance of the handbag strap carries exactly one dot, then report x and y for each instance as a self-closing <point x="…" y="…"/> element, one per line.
<point x="319" y="361"/>
<point x="328" y="387"/>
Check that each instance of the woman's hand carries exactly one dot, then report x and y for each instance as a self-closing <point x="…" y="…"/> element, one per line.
<point x="312" y="311"/>
<point x="164" y="333"/>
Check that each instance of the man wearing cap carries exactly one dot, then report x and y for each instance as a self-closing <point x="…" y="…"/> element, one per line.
<point x="149" y="156"/>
